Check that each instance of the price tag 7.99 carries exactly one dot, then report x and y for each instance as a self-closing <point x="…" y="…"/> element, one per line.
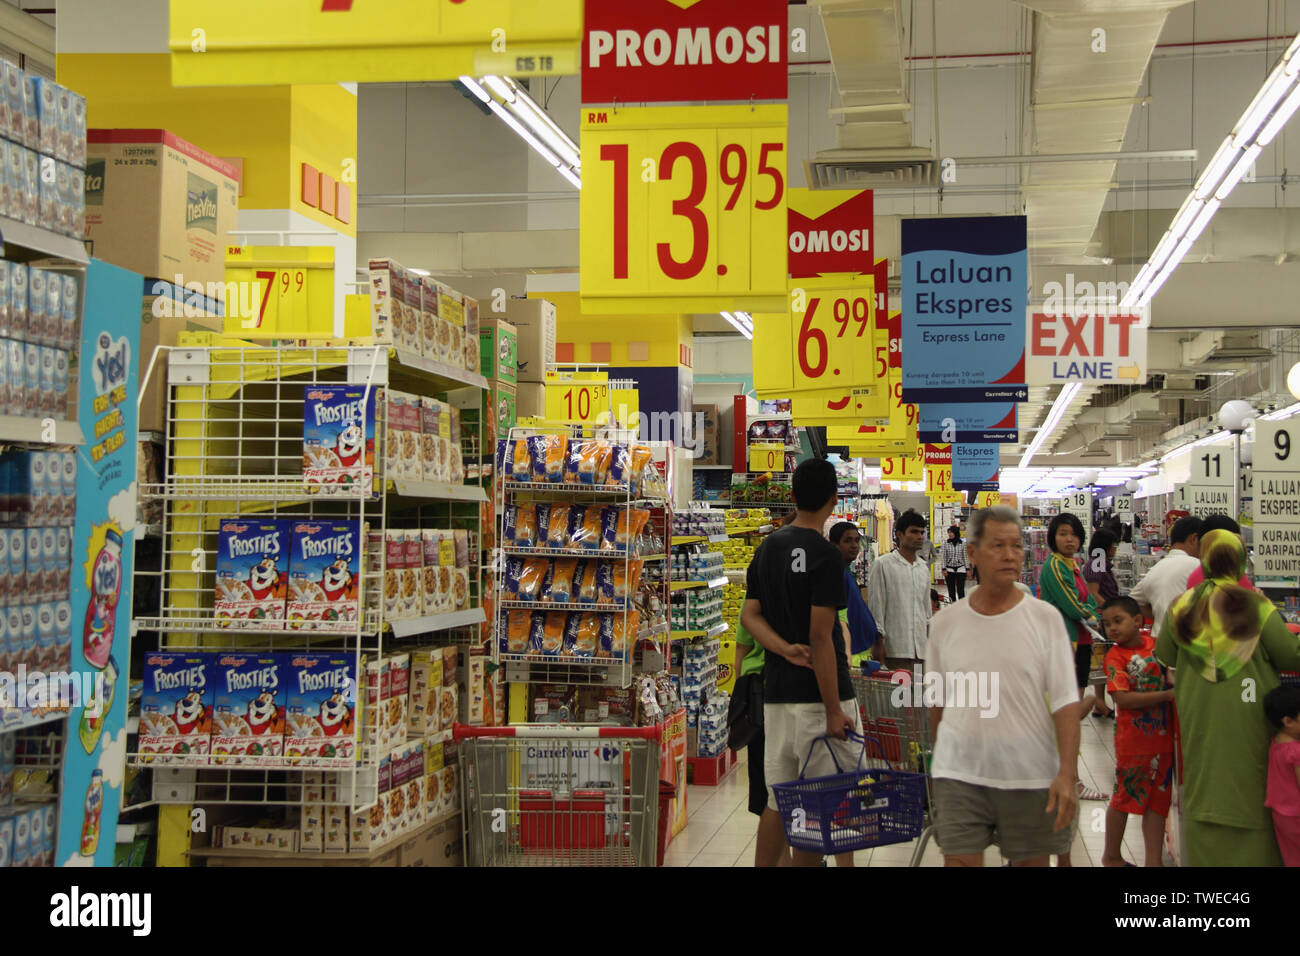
<point x="683" y="208"/>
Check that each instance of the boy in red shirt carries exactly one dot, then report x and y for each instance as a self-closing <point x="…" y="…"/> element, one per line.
<point x="1144" y="743"/>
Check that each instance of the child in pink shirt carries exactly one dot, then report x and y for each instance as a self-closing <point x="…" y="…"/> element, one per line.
<point x="1282" y="705"/>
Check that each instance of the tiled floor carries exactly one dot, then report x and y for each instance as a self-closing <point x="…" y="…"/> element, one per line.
<point x="721" y="830"/>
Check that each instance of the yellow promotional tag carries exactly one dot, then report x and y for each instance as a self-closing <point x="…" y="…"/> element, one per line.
<point x="577" y="403"/>
<point x="773" y="371"/>
<point x="900" y="469"/>
<point x="767" y="456"/>
<point x="938" y="484"/>
<point x="683" y="209"/>
<point x="987" y="499"/>
<point x="280" y="292"/>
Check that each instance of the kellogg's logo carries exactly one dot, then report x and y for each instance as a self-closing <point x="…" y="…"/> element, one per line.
<point x="201" y="205"/>
<point x="95" y="182"/>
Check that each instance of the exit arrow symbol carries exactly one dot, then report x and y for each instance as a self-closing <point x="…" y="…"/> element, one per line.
<point x="1129" y="371"/>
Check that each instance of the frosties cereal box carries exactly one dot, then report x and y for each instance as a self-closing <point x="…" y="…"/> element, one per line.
<point x="252" y="572"/>
<point x="248" y="707"/>
<point x="320" y="709"/>
<point x="324" y="575"/>
<point x="338" y="450"/>
<point x="176" y="708"/>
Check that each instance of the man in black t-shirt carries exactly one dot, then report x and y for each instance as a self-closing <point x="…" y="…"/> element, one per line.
<point x="795" y="591"/>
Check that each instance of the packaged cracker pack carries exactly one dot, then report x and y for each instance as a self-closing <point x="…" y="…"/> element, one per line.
<point x="324" y="575"/>
<point x="252" y="572"/>
<point x="338" y="438"/>
<point x="248" y="707"/>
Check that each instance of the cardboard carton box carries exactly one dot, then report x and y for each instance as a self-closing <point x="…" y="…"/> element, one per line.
<point x="498" y="351"/>
<point x="500" y="414"/>
<point x="168" y="310"/>
<point x="163" y="206"/>
<point x="530" y="400"/>
<point x="534" y="321"/>
<point x="706" y="420"/>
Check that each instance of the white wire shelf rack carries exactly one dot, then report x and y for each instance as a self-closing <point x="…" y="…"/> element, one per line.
<point x="356" y="787"/>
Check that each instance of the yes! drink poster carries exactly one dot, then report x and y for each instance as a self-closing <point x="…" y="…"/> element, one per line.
<point x="102" y="559"/>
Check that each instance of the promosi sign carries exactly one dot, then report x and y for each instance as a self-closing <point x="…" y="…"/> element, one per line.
<point x="656" y="51"/>
<point x="1100" y="347"/>
<point x="830" y="232"/>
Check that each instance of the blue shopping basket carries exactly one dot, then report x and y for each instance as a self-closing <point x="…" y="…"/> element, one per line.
<point x="848" y="811"/>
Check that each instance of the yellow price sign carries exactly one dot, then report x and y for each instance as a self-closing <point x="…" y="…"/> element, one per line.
<point x="938" y="484"/>
<point x="683" y="209"/>
<point x="254" y="43"/>
<point x="280" y="292"/>
<point x="987" y="499"/>
<point x="578" y="403"/>
<point x="900" y="469"/>
<point x="767" y="456"/>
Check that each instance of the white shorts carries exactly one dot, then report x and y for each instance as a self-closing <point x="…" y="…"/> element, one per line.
<point x="790" y="729"/>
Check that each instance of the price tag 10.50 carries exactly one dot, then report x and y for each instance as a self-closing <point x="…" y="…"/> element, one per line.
<point x="683" y="209"/>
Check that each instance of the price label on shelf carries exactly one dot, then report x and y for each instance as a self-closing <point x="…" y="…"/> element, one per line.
<point x="683" y="209"/>
<point x="280" y="292"/>
<point x="577" y="403"/>
<point x="767" y="456"/>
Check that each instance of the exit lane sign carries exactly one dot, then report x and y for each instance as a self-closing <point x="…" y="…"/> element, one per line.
<point x="1103" y="347"/>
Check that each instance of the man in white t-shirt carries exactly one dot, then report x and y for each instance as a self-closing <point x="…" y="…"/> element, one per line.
<point x="1006" y="751"/>
<point x="1167" y="580"/>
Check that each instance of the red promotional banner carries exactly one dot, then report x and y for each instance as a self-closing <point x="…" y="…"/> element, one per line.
<point x="938" y="454"/>
<point x="891" y="322"/>
<point x="830" y="232"/>
<point x="660" y="51"/>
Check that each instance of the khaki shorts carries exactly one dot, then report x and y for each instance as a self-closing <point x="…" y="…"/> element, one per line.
<point x="789" y="731"/>
<point x="970" y="818"/>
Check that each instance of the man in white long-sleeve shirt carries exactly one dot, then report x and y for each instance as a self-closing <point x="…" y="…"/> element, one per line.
<point x="898" y="594"/>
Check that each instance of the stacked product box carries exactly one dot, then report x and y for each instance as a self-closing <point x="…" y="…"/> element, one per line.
<point x="498" y="357"/>
<point x="418" y="314"/>
<point x="28" y="832"/>
<point x="711" y="725"/>
<point x="422" y="439"/>
<point x="43" y="181"/>
<point x="699" y="522"/>
<point x="703" y="566"/>
<point x="37" y="505"/>
<point x="39" y="330"/>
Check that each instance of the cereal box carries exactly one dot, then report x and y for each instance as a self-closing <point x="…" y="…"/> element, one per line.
<point x="394" y="565"/>
<point x="433" y="444"/>
<point x="176" y="708"/>
<point x="460" y="583"/>
<point x="396" y="705"/>
<point x="324" y="569"/>
<point x="320" y="708"/>
<point x="336" y="828"/>
<point x="402" y="441"/>
<point x="412" y="585"/>
<point x="471" y="362"/>
<point x="248" y="707"/>
<point x="311" y="829"/>
<point x="400" y="770"/>
<point x="377" y="735"/>
<point x="431" y="321"/>
<point x="252" y="572"/>
<point x="408" y="333"/>
<point x="385" y="282"/>
<point x="439" y="570"/>
<point x="425" y="695"/>
<point x="338" y="439"/>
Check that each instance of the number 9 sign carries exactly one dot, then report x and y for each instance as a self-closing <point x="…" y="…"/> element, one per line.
<point x="683" y="208"/>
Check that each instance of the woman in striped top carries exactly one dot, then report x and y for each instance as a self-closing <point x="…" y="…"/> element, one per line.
<point x="953" y="555"/>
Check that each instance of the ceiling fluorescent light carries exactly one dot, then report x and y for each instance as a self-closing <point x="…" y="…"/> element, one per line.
<point x="1216" y="167"/>
<point x="524" y="134"/>
<point x="1279" y="119"/>
<point x="1203" y="220"/>
<point x="737" y="325"/>
<point x="522" y="114"/>
<point x="472" y="85"/>
<point x="1243" y="166"/>
<point x="1269" y="95"/>
<point x="1282" y="413"/>
<point x="570" y="175"/>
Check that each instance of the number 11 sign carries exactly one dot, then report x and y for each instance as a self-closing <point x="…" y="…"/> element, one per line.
<point x="683" y="209"/>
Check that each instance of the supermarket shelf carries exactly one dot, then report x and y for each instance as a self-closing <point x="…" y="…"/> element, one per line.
<point x="14" y="719"/>
<point x="714" y="631"/>
<point x="770" y="505"/>
<point x="540" y="658"/>
<point x="579" y="553"/>
<point x="762" y="529"/>
<point x="614" y="608"/>
<point x="711" y="467"/>
<point x="437" y="622"/>
<point x="15" y="429"/>
<point x="1279" y="585"/>
<point x="438" y="490"/>
<point x="18" y="236"/>
<point x="774" y="417"/>
<point x="206" y="622"/>
<point x="688" y="539"/>
<point x="689" y="585"/>
<point x="443" y="375"/>
<point x="568" y="488"/>
<point x="718" y="538"/>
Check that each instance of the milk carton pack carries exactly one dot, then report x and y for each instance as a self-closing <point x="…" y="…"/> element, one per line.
<point x="19" y="274"/>
<point x="248" y="707"/>
<point x="14" y="100"/>
<point x="338" y="439"/>
<point x="252" y="572"/>
<point x="320" y="709"/>
<point x="324" y="575"/>
<point x="176" y="708"/>
<point x="69" y="304"/>
<point x="31" y="380"/>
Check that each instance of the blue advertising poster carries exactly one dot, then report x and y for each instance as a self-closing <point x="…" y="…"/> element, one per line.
<point x="102" y="558"/>
<point x="965" y="292"/>
<point x="968" y="422"/>
<point x="975" y="467"/>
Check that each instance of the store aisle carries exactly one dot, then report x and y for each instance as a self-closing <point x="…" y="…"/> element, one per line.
<point x="721" y="830"/>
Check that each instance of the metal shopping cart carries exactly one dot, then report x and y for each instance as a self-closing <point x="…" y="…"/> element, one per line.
<point x="560" y="795"/>
<point x="904" y="736"/>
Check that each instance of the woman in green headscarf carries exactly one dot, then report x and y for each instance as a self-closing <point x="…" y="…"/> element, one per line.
<point x="1227" y="644"/>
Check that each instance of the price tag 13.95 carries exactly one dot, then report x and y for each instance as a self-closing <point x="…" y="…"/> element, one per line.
<point x="683" y="209"/>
